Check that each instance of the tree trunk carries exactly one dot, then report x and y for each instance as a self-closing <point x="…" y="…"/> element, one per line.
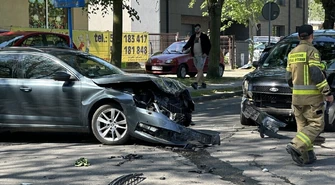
<point x="215" y="8"/>
<point x="117" y="33"/>
<point x="329" y="6"/>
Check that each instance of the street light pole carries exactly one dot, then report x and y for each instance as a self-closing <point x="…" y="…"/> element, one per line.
<point x="269" y="24"/>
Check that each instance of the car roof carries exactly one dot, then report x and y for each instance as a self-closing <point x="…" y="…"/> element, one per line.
<point x="320" y="32"/>
<point x="10" y="33"/>
<point x="49" y="50"/>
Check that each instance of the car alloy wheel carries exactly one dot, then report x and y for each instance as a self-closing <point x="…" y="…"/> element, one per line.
<point x="109" y="125"/>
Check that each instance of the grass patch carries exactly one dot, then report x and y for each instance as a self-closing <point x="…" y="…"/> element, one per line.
<point x="188" y="81"/>
<point x="203" y="92"/>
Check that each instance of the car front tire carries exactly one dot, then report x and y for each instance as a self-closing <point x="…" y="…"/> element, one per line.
<point x="182" y="71"/>
<point x="109" y="125"/>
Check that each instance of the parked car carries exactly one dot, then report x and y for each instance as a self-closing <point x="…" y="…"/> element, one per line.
<point x="266" y="87"/>
<point x="66" y="90"/>
<point x="34" y="39"/>
<point x="3" y="31"/>
<point x="174" y="61"/>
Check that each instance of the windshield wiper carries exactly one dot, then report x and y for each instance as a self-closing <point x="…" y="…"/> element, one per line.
<point x="176" y="51"/>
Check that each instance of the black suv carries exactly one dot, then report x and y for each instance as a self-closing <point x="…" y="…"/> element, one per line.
<point x="266" y="88"/>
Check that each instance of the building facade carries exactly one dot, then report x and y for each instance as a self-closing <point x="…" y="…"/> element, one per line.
<point x="293" y="13"/>
<point x="157" y="16"/>
<point x="39" y="14"/>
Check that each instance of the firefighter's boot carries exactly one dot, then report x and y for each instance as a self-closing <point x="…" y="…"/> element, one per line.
<point x="295" y="154"/>
<point x="311" y="157"/>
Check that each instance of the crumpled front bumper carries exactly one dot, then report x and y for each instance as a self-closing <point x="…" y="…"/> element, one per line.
<point x="155" y="127"/>
<point x="265" y="121"/>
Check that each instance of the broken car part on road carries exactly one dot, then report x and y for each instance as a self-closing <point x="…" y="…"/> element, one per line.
<point x="267" y="124"/>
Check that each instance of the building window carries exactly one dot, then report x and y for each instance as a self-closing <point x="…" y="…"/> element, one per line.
<point x="278" y="30"/>
<point x="258" y="31"/>
<point x="281" y="2"/>
<point x="299" y="3"/>
<point x="42" y="14"/>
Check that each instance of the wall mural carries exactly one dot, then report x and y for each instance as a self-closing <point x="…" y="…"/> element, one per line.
<point x="57" y="17"/>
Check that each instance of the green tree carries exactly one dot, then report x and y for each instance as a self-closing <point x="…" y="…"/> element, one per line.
<point x="329" y="13"/>
<point x="244" y="12"/>
<point x="116" y="6"/>
<point x="315" y="11"/>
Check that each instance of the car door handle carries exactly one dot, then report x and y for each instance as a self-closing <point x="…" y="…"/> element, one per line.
<point x="25" y="89"/>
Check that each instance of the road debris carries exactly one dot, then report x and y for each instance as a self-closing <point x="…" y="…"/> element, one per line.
<point x="130" y="179"/>
<point x="267" y="124"/>
<point x="128" y="158"/>
<point x="82" y="162"/>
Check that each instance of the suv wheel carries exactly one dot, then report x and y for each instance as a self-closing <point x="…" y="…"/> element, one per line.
<point x="109" y="125"/>
<point x="245" y="121"/>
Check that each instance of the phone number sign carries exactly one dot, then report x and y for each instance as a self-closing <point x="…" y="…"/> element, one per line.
<point x="135" y="47"/>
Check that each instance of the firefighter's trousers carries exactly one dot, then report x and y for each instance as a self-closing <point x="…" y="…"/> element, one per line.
<point x="310" y="123"/>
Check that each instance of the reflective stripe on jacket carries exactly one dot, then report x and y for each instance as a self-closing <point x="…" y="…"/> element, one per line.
<point x="305" y="70"/>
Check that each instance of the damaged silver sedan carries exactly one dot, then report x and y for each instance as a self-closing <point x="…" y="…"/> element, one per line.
<point x="50" y="89"/>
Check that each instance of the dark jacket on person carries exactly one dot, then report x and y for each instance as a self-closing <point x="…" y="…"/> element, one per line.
<point x="205" y="44"/>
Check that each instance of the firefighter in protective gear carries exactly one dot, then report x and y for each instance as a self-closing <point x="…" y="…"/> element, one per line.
<point x="309" y="91"/>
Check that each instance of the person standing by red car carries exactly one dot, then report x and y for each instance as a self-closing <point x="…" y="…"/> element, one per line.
<point x="200" y="47"/>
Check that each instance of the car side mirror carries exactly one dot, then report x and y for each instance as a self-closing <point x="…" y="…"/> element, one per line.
<point x="62" y="76"/>
<point x="255" y="64"/>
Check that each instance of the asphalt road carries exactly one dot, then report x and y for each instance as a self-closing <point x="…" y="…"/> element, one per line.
<point x="242" y="158"/>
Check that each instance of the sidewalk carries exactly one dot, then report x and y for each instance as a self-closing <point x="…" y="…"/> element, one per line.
<point x="227" y="73"/>
<point x="232" y="84"/>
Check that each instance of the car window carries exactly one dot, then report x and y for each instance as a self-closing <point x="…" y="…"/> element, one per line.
<point x="326" y="46"/>
<point x="55" y="40"/>
<point x="278" y="56"/>
<point x="176" y="47"/>
<point x="8" y="65"/>
<point x="36" y="40"/>
<point x="89" y="65"/>
<point x="38" y="67"/>
<point x="324" y="43"/>
<point x="9" y="40"/>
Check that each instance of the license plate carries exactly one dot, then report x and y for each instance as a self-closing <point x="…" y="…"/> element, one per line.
<point x="157" y="68"/>
<point x="251" y="113"/>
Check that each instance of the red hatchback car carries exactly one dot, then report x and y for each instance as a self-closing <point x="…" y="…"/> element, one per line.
<point x="34" y="39"/>
<point x="173" y="61"/>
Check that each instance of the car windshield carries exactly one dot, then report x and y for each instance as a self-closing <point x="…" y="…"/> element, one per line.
<point x="9" y="40"/>
<point x="89" y="65"/>
<point x="176" y="47"/>
<point x="278" y="55"/>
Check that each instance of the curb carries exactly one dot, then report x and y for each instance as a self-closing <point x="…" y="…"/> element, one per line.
<point x="217" y="96"/>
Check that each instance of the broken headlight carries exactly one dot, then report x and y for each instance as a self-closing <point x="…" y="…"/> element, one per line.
<point x="247" y="88"/>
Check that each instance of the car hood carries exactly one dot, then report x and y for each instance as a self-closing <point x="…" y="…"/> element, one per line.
<point x="167" y="85"/>
<point x="267" y="76"/>
<point x="164" y="57"/>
